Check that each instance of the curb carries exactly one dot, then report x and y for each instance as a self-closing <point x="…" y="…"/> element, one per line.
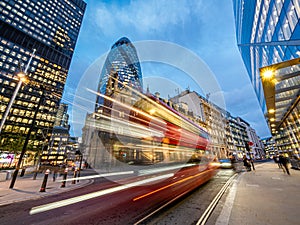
<point x="46" y="194"/>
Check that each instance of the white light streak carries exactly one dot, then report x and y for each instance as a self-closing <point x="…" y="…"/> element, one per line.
<point x="70" y="201"/>
<point x="157" y="170"/>
<point x="100" y="175"/>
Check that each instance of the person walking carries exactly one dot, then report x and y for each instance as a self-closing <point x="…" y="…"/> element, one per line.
<point x="246" y="163"/>
<point x="252" y="162"/>
<point x="233" y="161"/>
<point x="276" y="160"/>
<point x="284" y="162"/>
<point x="54" y="174"/>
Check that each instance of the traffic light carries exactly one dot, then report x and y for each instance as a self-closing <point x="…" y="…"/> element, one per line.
<point x="247" y="146"/>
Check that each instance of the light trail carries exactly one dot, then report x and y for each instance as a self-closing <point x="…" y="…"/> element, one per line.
<point x="140" y="128"/>
<point x="127" y="106"/>
<point x="163" y="109"/>
<point x="100" y="175"/>
<point x="157" y="170"/>
<point x="169" y="185"/>
<point x="70" y="201"/>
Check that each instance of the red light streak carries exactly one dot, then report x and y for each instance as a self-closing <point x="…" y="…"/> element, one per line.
<point x="169" y="185"/>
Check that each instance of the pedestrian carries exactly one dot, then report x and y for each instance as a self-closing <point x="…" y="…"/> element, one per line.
<point x="252" y="163"/>
<point x="54" y="174"/>
<point x="284" y="162"/>
<point x="246" y="163"/>
<point x="276" y="160"/>
<point x="233" y="161"/>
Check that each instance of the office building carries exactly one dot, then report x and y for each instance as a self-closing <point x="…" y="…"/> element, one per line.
<point x="268" y="37"/>
<point x="236" y="135"/>
<point x="120" y="74"/>
<point x="228" y="134"/>
<point x="122" y="63"/>
<point x="49" y="29"/>
<point x="62" y="116"/>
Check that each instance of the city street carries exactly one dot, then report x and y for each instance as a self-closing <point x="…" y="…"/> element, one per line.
<point x="149" y="112"/>
<point x="263" y="196"/>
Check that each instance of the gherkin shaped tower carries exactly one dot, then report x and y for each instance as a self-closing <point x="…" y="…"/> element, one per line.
<point x="122" y="66"/>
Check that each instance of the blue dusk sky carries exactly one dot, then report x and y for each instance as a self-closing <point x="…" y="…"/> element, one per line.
<point x="205" y="29"/>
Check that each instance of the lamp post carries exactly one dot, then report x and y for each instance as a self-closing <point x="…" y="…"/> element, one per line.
<point x="39" y="154"/>
<point x="15" y="174"/>
<point x="22" y="78"/>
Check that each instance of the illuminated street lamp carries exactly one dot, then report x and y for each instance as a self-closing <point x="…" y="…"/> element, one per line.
<point x="267" y="74"/>
<point x="271" y="110"/>
<point x="22" y="79"/>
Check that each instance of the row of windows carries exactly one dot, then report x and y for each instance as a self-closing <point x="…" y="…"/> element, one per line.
<point x="35" y="22"/>
<point x="15" y="129"/>
<point x="54" y="10"/>
<point x="266" y="21"/>
<point x="9" y="48"/>
<point x="28" y="121"/>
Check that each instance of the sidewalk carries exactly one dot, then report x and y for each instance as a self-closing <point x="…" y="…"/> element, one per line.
<point x="266" y="196"/>
<point x="26" y="188"/>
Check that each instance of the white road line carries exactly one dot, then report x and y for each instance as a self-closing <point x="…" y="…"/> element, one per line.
<point x="214" y="202"/>
<point x="252" y="185"/>
<point x="224" y="216"/>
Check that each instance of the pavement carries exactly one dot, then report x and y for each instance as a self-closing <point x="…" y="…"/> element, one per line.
<point x="25" y="188"/>
<point x="265" y="196"/>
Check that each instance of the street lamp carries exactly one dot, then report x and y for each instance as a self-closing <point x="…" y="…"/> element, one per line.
<point x="15" y="174"/>
<point x="22" y="78"/>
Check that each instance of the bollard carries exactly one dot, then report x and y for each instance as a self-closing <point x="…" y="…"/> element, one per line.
<point x="22" y="171"/>
<point x="74" y="176"/>
<point x="63" y="183"/>
<point x="43" y="187"/>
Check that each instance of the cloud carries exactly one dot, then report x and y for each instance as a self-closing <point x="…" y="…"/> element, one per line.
<point x="256" y="119"/>
<point x="242" y="102"/>
<point x="145" y="16"/>
<point x="205" y="27"/>
<point x="239" y="97"/>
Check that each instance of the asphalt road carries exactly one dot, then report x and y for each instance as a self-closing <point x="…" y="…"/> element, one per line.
<point x="126" y="206"/>
<point x="189" y="208"/>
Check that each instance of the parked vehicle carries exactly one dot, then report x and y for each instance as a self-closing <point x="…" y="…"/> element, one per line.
<point x="295" y="162"/>
<point x="225" y="163"/>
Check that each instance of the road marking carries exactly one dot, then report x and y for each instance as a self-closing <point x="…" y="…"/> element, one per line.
<point x="276" y="178"/>
<point x="227" y="207"/>
<point x="214" y="202"/>
<point x="252" y="185"/>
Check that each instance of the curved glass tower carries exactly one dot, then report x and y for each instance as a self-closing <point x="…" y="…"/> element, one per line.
<point x="268" y="32"/>
<point x="268" y="37"/>
<point x="123" y="64"/>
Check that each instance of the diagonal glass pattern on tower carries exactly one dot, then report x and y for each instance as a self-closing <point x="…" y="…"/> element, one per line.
<point x="268" y="37"/>
<point x="268" y="32"/>
<point x="122" y="61"/>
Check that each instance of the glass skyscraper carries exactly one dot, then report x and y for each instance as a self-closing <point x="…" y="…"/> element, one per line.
<point x="268" y="37"/>
<point x="51" y="27"/>
<point x="123" y="63"/>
